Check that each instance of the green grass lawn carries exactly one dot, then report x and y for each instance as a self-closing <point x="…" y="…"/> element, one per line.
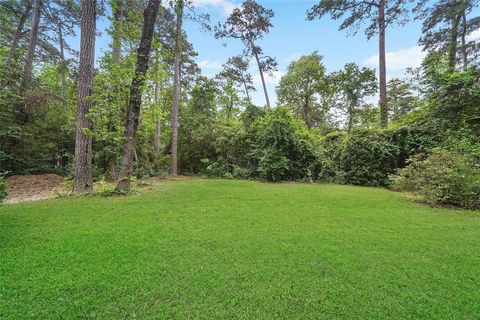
<point x="216" y="249"/>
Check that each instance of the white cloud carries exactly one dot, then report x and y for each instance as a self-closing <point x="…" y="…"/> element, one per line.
<point x="208" y="64"/>
<point x="401" y="59"/>
<point x="475" y="35"/>
<point x="225" y="5"/>
<point x="272" y="79"/>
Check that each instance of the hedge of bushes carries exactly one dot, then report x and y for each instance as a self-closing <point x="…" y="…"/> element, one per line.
<point x="277" y="147"/>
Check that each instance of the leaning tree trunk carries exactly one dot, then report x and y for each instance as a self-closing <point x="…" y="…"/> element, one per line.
<point x="32" y="45"/>
<point x="83" y="140"/>
<point x="18" y="34"/>
<point x="382" y="66"/>
<point x="63" y="66"/>
<point x="263" y="80"/>
<point x="134" y="105"/>
<point x="176" y="87"/>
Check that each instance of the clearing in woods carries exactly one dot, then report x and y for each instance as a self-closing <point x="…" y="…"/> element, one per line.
<point x="239" y="250"/>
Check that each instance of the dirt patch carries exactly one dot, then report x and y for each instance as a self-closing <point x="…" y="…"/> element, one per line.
<point x="32" y="187"/>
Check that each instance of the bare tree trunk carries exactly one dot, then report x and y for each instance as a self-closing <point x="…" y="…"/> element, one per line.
<point x="263" y="80"/>
<point x="464" y="40"/>
<point x="383" y="66"/>
<point x="134" y="105"/>
<point x="31" y="45"/>
<point x="18" y="34"/>
<point x="63" y="66"/>
<point x="83" y="141"/>
<point x="176" y="87"/>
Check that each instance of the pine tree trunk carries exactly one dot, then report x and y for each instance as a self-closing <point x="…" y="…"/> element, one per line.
<point x="157" y="122"/>
<point x="263" y="80"/>
<point x="452" y="55"/>
<point x="18" y="34"/>
<point x="116" y="37"/>
<point x="135" y="102"/>
<point x="117" y="8"/>
<point x="83" y="141"/>
<point x="32" y="45"/>
<point x="158" y="130"/>
<point x="63" y="66"/>
<point x="176" y="87"/>
<point x="464" y="40"/>
<point x="383" y="66"/>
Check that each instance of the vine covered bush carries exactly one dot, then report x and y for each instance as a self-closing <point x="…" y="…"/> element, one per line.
<point x="284" y="149"/>
<point x="273" y="147"/>
<point x="368" y="158"/>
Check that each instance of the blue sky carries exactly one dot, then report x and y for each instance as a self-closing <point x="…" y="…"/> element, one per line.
<point x="291" y="37"/>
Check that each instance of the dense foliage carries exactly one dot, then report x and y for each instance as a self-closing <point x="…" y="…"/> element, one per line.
<point x="444" y="177"/>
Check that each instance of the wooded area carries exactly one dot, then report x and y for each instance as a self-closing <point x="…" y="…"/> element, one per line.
<point x="145" y="109"/>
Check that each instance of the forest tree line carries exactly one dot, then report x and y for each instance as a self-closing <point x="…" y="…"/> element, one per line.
<point x="144" y="108"/>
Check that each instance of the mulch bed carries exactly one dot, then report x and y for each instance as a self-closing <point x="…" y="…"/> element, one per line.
<point x="32" y="187"/>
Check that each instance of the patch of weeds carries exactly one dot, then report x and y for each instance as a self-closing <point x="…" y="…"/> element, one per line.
<point x="65" y="188"/>
<point x="3" y="188"/>
<point x="144" y="183"/>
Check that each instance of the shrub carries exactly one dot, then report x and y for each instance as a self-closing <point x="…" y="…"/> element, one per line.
<point x="273" y="165"/>
<point x="217" y="169"/>
<point x="3" y="189"/>
<point x="444" y="177"/>
<point x="368" y="157"/>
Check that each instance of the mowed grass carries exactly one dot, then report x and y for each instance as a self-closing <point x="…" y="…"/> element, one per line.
<point x="217" y="249"/>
